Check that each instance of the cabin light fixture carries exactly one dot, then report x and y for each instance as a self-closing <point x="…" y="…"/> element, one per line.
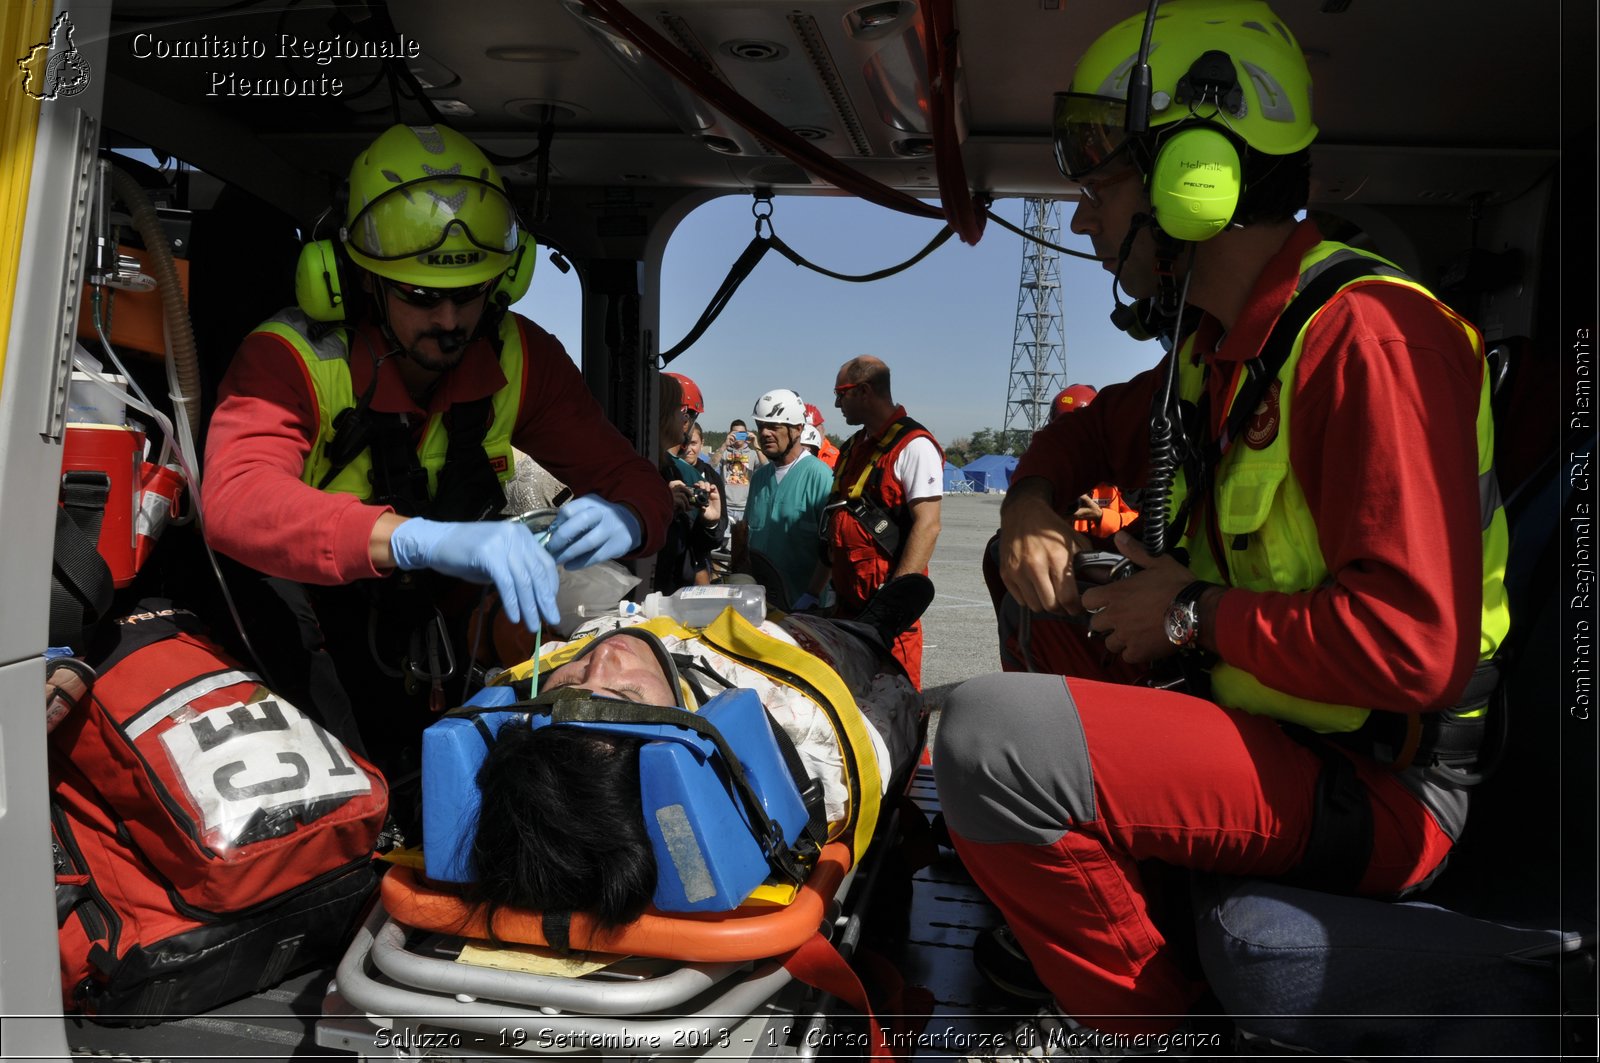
<point x="875" y="20"/>
<point x="452" y="107"/>
<point x="563" y="111"/>
<point x="531" y="53"/>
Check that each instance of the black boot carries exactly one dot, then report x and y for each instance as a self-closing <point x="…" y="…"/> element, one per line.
<point x="897" y="605"/>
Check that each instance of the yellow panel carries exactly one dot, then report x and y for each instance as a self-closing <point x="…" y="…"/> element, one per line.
<point x="23" y="24"/>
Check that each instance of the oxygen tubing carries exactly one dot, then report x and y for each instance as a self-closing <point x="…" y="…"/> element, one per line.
<point x="182" y="349"/>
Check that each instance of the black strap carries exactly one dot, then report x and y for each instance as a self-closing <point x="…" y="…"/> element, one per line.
<point x="80" y="581"/>
<point x="1200" y="463"/>
<point x="468" y="487"/>
<point x="887" y="527"/>
<point x="810" y="787"/>
<point x="397" y="476"/>
<point x="557" y="928"/>
<point x="1268" y="365"/>
<point x="747" y="261"/>
<point x="1339" y="844"/>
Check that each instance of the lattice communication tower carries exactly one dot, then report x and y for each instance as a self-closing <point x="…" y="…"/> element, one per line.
<point x="1038" y="354"/>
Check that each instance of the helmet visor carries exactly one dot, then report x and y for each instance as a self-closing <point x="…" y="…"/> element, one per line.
<point x="1088" y="132"/>
<point x="416" y="217"/>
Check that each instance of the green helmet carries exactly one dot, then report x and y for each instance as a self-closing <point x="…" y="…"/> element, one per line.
<point x="428" y="208"/>
<point x="1260" y="89"/>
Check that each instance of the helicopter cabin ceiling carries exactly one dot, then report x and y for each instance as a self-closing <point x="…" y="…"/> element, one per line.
<point x="1417" y="102"/>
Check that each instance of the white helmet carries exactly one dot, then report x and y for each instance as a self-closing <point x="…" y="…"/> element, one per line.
<point x="811" y="436"/>
<point x="781" y="406"/>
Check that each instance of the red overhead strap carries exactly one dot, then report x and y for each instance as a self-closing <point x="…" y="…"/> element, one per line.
<point x="959" y="208"/>
<point x="962" y="211"/>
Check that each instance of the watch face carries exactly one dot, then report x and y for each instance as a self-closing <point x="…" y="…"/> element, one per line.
<point x="1180" y="622"/>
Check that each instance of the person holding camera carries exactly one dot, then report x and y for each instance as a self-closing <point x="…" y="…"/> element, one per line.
<point x="736" y="460"/>
<point x="698" y="520"/>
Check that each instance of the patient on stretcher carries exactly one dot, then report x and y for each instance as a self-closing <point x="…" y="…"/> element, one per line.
<point x="569" y="820"/>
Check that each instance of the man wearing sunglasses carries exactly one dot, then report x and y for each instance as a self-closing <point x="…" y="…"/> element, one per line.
<point x="1337" y="669"/>
<point x="883" y="513"/>
<point x="362" y="437"/>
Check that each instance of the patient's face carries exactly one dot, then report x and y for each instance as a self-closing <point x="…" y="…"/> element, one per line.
<point x="620" y="667"/>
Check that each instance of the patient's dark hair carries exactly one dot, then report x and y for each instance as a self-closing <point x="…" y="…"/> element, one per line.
<point x="561" y="826"/>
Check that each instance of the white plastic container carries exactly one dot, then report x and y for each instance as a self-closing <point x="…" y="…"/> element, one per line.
<point x="699" y="606"/>
<point x="89" y="403"/>
<point x="590" y="592"/>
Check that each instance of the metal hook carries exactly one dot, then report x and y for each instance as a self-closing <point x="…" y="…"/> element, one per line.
<point x="761" y="210"/>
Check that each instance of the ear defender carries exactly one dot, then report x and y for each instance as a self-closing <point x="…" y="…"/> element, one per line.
<point x="318" y="286"/>
<point x="1195" y="183"/>
<point x="518" y="277"/>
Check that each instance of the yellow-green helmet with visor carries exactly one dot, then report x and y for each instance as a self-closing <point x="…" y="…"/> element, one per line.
<point x="427" y="208"/>
<point x="1193" y="43"/>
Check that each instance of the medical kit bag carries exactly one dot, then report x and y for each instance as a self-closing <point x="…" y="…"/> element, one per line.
<point x="210" y="838"/>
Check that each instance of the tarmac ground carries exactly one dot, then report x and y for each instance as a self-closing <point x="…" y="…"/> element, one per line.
<point x="959" y="639"/>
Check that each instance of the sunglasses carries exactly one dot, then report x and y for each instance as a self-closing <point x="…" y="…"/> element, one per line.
<point x="1093" y="188"/>
<point x="428" y="298"/>
<point x="844" y="389"/>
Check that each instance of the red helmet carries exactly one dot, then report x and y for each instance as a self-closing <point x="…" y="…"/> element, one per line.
<point x="692" y="399"/>
<point x="813" y="415"/>
<point x="1072" y="397"/>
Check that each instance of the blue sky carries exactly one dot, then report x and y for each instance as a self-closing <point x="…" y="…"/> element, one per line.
<point x="945" y="326"/>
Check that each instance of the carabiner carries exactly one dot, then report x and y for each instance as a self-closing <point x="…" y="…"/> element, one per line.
<point x="761" y="210"/>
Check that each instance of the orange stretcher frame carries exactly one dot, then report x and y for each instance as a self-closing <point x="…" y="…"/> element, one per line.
<point x="750" y="932"/>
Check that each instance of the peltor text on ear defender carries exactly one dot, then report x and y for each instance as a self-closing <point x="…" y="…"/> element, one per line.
<point x="1195" y="183"/>
<point x="318" y="286"/>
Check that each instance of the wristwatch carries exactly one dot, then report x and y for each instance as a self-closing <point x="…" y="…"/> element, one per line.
<point x="1183" y="617"/>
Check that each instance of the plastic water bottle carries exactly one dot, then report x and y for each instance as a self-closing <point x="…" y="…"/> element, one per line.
<point x="699" y="606"/>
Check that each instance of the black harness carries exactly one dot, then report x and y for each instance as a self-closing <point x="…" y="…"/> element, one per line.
<point x="863" y="499"/>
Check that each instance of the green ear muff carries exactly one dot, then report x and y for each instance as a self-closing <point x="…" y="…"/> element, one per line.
<point x="1195" y="183"/>
<point x="518" y="277"/>
<point x="318" y="287"/>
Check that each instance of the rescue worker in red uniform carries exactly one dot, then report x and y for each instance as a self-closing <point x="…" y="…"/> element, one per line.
<point x="882" y="519"/>
<point x="1102" y="512"/>
<point x="1044" y="642"/>
<point x="1339" y="667"/>
<point x="826" y="449"/>
<point x="361" y="437"/>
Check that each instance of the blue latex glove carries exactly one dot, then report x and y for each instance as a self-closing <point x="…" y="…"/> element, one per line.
<point x="589" y="530"/>
<point x="503" y="553"/>
<point x="804" y="602"/>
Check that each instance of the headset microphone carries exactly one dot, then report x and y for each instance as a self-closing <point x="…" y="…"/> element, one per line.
<point x="1137" y="319"/>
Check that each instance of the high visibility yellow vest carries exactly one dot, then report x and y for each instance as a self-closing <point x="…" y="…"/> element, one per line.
<point x="1269" y="533"/>
<point x="327" y="362"/>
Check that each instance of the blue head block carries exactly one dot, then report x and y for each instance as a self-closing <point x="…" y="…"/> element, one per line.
<point x="708" y="858"/>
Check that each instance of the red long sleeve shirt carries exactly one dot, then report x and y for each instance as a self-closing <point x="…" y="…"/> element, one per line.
<point x="1383" y="439"/>
<point x="259" y="511"/>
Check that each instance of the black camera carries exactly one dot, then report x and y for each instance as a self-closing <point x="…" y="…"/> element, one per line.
<point x="701" y="497"/>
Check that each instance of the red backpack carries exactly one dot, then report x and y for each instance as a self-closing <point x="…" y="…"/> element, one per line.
<point x="210" y="838"/>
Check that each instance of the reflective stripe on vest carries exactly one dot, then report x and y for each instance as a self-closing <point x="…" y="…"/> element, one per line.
<point x="327" y="362"/>
<point x="1260" y="503"/>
